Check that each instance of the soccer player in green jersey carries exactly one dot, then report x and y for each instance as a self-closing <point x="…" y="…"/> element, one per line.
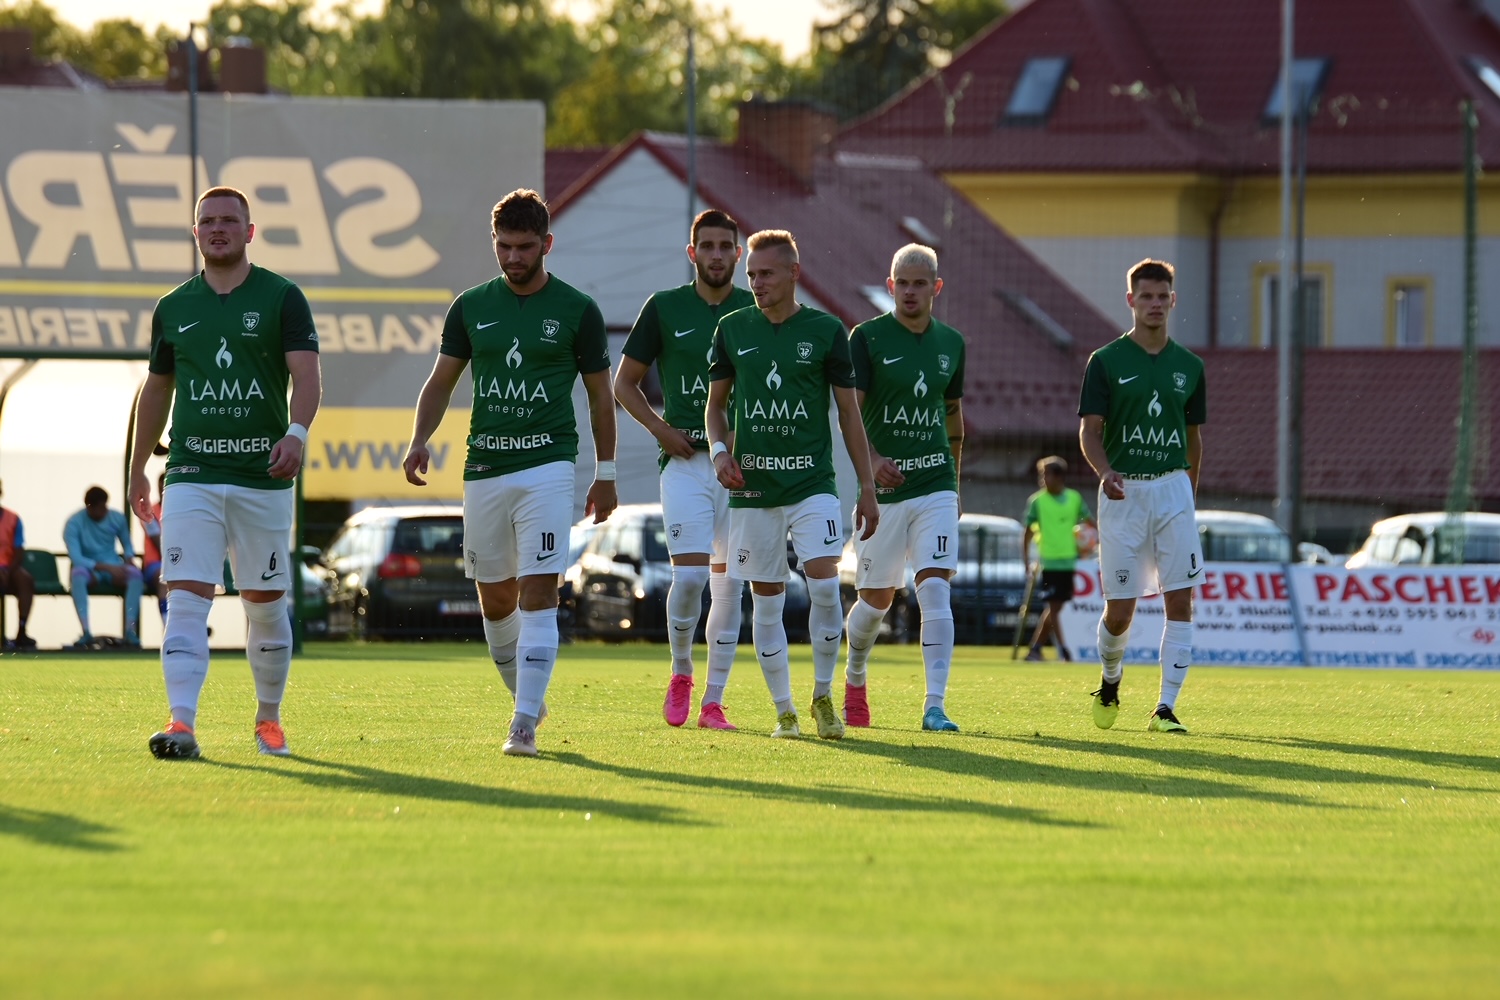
<point x="781" y="361"/>
<point x="675" y="332"/>
<point x="909" y="381"/>
<point x="1053" y="513"/>
<point x="1141" y="407"/>
<point x="530" y="336"/>
<point x="224" y="347"/>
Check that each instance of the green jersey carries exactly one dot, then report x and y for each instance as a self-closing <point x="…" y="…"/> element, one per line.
<point x="907" y="378"/>
<point x="1148" y="401"/>
<point x="1054" y="518"/>
<point x="782" y="375"/>
<point x="227" y="354"/>
<point x="527" y="351"/>
<point x="681" y="355"/>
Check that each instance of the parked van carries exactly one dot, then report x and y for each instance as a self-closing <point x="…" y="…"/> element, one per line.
<point x="1234" y="536"/>
<point x="1429" y="540"/>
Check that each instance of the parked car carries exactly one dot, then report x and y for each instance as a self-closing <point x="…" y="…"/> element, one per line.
<point x="989" y="585"/>
<point x="1234" y="536"/>
<point x="398" y="572"/>
<point x="619" y="583"/>
<point x="1428" y="540"/>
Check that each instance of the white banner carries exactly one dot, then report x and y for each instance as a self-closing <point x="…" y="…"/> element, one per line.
<point x="1251" y="614"/>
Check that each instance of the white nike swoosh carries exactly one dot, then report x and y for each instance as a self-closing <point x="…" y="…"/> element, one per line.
<point x="748" y="350"/>
<point x="684" y="333"/>
<point x="194" y="323"/>
<point x="1130" y="379"/>
<point x="486" y="326"/>
<point x="891" y="361"/>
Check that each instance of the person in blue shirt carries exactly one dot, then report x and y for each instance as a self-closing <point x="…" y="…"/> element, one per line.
<point x="91" y="536"/>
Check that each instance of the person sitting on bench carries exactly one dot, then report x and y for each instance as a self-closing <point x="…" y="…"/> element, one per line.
<point x="90" y="536"/>
<point x="14" y="579"/>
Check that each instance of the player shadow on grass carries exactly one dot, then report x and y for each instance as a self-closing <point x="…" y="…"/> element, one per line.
<point x="338" y="776"/>
<point x="823" y="795"/>
<point x="55" y="829"/>
<point x="953" y="759"/>
<point x="1175" y="751"/>
<point x="1410" y="755"/>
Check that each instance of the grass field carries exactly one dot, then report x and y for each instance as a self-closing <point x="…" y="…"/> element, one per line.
<point x="1321" y="833"/>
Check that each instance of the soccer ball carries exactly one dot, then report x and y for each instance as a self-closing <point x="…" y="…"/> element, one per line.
<point x="1087" y="539"/>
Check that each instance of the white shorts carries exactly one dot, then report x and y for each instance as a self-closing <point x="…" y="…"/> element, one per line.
<point x="202" y="522"/>
<point x="695" y="508"/>
<point x="1148" y="542"/>
<point x="922" y="531"/>
<point x="517" y="524"/>
<point x="757" y="537"/>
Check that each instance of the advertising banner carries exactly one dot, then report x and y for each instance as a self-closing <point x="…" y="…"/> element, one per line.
<point x="1262" y="614"/>
<point x="378" y="209"/>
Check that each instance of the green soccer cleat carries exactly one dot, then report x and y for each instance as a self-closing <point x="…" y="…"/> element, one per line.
<point x="830" y="726"/>
<point x="935" y="720"/>
<point x="1163" y="721"/>
<point x="1106" y="703"/>
<point x="786" y="727"/>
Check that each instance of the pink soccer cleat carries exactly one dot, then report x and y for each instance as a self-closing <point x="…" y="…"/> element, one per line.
<point x="856" y="708"/>
<point x="679" y="700"/>
<point x="711" y="716"/>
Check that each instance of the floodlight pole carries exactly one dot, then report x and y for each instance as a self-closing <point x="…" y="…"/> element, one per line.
<point x="1285" y="502"/>
<point x="692" y="142"/>
<point x="192" y="80"/>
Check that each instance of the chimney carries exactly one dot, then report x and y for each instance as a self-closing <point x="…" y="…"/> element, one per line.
<point x="15" y="48"/>
<point x="242" y="67"/>
<point x="793" y="133"/>
<point x="177" y="69"/>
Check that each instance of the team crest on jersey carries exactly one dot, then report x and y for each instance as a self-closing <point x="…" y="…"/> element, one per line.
<point x="944" y="363"/>
<point x="1122" y="576"/>
<point x="804" y="351"/>
<point x="1179" y="379"/>
<point x="676" y="531"/>
<point x="741" y="556"/>
<point x="251" y="320"/>
<point x="550" y="328"/>
<point x="174" y="555"/>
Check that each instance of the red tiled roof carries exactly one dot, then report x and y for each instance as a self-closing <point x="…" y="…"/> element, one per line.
<point x="1180" y="85"/>
<point x="1018" y="381"/>
<point x="562" y="168"/>
<point x="1378" y="426"/>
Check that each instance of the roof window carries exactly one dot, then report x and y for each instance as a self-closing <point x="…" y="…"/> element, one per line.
<point x="1036" y="90"/>
<point x="1307" y="83"/>
<point x="1487" y="74"/>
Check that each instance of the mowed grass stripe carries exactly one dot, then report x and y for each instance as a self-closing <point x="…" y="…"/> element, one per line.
<point x="1320" y="833"/>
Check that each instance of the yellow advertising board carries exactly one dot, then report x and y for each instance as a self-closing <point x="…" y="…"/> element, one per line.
<point x="357" y="452"/>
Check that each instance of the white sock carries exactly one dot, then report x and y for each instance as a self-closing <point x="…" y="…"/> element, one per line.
<point x="501" y="636"/>
<point x="537" y="654"/>
<point x="1176" y="657"/>
<point x="684" y="608"/>
<point x="769" y="633"/>
<point x="268" y="647"/>
<point x="863" y="627"/>
<point x="825" y="628"/>
<point x="935" y="598"/>
<point x="1111" y="652"/>
<point x="722" y="631"/>
<point x="184" y="653"/>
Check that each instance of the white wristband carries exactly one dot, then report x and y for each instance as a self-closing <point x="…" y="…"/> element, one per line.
<point x="297" y="431"/>
<point x="604" y="472"/>
<point x="716" y="449"/>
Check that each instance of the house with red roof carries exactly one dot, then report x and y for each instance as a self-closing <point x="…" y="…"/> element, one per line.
<point x="1098" y="132"/>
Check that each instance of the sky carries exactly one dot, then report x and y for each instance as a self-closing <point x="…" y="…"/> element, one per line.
<point x="788" y="22"/>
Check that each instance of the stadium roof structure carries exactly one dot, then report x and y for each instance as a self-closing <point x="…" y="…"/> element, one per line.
<point x="562" y="168"/>
<point x="1186" y="85"/>
<point x="1028" y="333"/>
<point x="1379" y="426"/>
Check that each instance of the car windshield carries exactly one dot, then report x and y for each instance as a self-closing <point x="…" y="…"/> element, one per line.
<point x="435" y="536"/>
<point x="1245" y="547"/>
<point x="1481" y="545"/>
<point x="656" y="542"/>
<point x="988" y="545"/>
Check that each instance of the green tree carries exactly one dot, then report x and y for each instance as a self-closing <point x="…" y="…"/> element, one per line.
<point x="302" y="57"/>
<point x="636" y="72"/>
<point x="120" y="49"/>
<point x="51" y="37"/>
<point x="873" y="48"/>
